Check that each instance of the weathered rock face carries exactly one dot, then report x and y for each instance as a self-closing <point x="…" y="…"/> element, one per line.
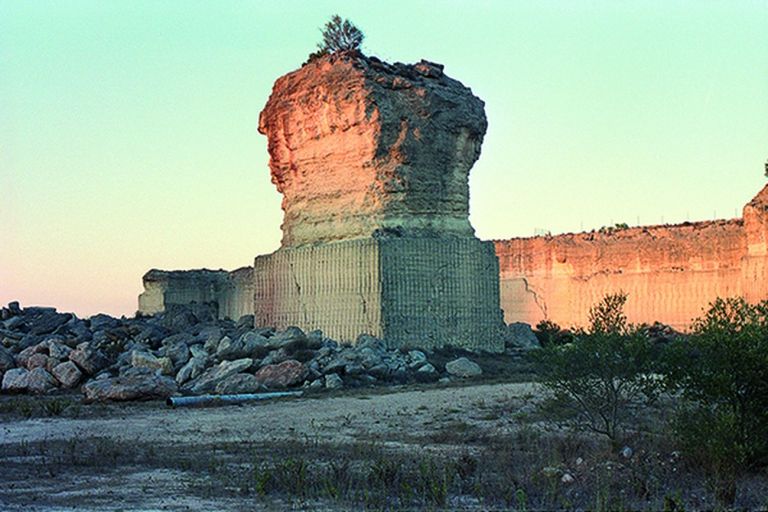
<point x="359" y="147"/>
<point x="230" y="293"/>
<point x="670" y="272"/>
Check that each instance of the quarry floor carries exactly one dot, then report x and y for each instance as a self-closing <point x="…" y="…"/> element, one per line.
<point x="148" y="456"/>
<point x="468" y="445"/>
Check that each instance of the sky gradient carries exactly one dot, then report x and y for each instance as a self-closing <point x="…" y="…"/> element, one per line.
<point x="128" y="133"/>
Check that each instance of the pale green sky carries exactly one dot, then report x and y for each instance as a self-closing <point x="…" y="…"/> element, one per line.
<point x="128" y="128"/>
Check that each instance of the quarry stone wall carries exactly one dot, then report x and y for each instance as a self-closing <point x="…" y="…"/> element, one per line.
<point x="230" y="292"/>
<point x="418" y="292"/>
<point x="670" y="272"/>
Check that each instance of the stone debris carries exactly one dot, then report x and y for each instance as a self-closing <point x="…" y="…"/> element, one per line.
<point x="333" y="381"/>
<point x="67" y="373"/>
<point x="15" y="380"/>
<point x="156" y="356"/>
<point x="89" y="359"/>
<point x="288" y="373"/>
<point x="520" y="336"/>
<point x="40" y="381"/>
<point x="463" y="367"/>
<point x="239" y="383"/>
<point x="139" y="384"/>
<point x="147" y="360"/>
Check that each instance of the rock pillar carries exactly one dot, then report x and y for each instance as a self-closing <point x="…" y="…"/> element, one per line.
<point x="373" y="160"/>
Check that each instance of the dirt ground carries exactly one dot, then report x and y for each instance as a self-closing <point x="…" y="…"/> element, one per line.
<point x="459" y="446"/>
<point x="42" y="464"/>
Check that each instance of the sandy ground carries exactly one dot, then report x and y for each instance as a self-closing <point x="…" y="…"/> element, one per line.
<point x="402" y="419"/>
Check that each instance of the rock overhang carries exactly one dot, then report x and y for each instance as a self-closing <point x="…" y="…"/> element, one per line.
<point x="358" y="146"/>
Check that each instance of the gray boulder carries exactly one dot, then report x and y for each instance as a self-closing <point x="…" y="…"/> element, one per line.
<point x="333" y="381"/>
<point x="286" y="374"/>
<point x="463" y="367"/>
<point x="15" y="380"/>
<point x="147" y="360"/>
<point x="88" y="359"/>
<point x="173" y="339"/>
<point x="291" y="338"/>
<point x="178" y="353"/>
<point x="56" y="349"/>
<point x="67" y="373"/>
<point x="245" y="321"/>
<point x="193" y="369"/>
<point x="372" y="342"/>
<point x="427" y="373"/>
<point x="416" y="359"/>
<point x="138" y="384"/>
<point x="239" y="383"/>
<point x="254" y="343"/>
<point x="39" y="381"/>
<point x="6" y="359"/>
<point x="101" y="321"/>
<point x="210" y="337"/>
<point x="41" y="361"/>
<point x="46" y="320"/>
<point x="381" y="371"/>
<point x="275" y="357"/>
<point x="230" y="349"/>
<point x="198" y="351"/>
<point x="211" y="377"/>
<point x="13" y="322"/>
<point x="370" y="357"/>
<point x="520" y="335"/>
<point x="23" y="357"/>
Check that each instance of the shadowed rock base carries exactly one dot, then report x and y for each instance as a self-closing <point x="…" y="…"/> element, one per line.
<point x="419" y="292"/>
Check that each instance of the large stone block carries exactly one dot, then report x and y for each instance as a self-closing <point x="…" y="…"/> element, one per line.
<point x="420" y="292"/>
<point x="230" y="292"/>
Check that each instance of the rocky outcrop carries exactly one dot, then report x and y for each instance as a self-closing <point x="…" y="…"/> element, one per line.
<point x="359" y="147"/>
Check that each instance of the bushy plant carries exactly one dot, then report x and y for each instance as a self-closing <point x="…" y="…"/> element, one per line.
<point x="549" y="333"/>
<point x="604" y="370"/>
<point x="722" y="368"/>
<point x="340" y="35"/>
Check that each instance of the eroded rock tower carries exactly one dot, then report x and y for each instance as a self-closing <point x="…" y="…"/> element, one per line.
<point x="373" y="160"/>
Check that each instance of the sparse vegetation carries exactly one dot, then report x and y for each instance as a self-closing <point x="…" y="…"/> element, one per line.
<point x="549" y="333"/>
<point x="722" y="371"/>
<point x="604" y="371"/>
<point x="340" y="35"/>
<point x="619" y="226"/>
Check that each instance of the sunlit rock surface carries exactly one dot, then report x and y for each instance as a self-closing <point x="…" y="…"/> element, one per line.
<point x="359" y="147"/>
<point x="670" y="272"/>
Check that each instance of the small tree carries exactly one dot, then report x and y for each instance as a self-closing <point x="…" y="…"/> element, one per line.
<point x="723" y="370"/>
<point x="604" y="370"/>
<point x="340" y="35"/>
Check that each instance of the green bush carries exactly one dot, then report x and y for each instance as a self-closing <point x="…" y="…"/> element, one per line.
<point x="722" y="369"/>
<point x="604" y="370"/>
<point x="340" y="35"/>
<point x="549" y="333"/>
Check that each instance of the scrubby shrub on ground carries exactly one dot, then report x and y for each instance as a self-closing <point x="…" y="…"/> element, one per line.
<point x="549" y="333"/>
<point x="722" y="370"/>
<point x="604" y="370"/>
